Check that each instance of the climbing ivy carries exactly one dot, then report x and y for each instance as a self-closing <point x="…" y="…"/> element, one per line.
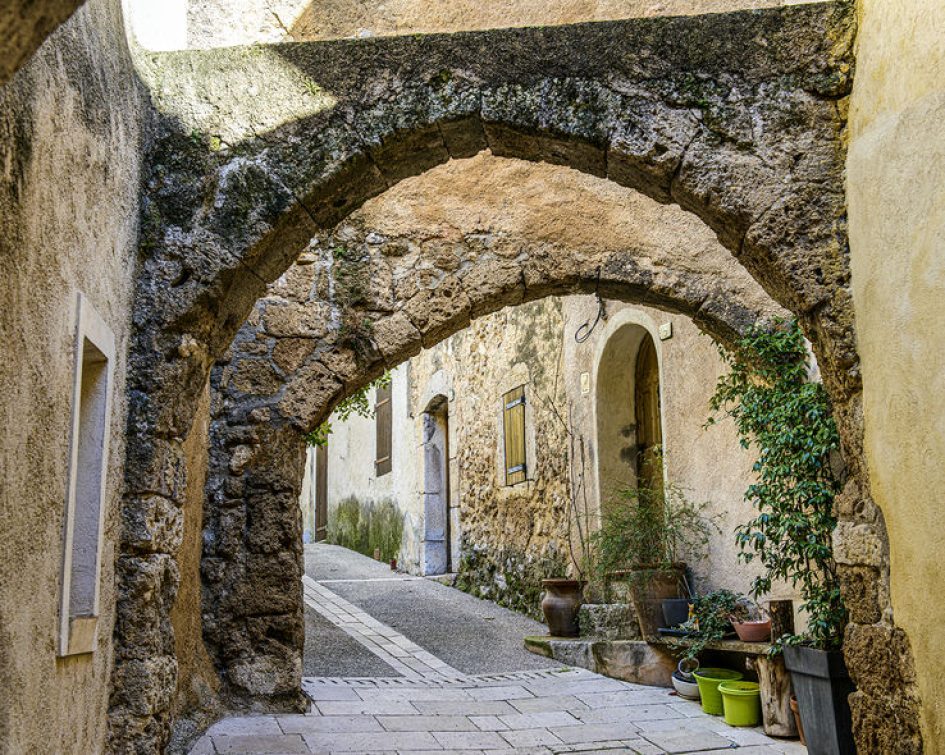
<point x="788" y="419"/>
<point x="357" y="403"/>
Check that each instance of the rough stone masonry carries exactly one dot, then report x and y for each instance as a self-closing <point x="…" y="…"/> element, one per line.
<point x="738" y="118"/>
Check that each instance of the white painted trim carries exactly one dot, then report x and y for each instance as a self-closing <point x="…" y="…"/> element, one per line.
<point x="77" y="634"/>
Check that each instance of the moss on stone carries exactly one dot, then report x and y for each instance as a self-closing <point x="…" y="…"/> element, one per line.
<point x="367" y="526"/>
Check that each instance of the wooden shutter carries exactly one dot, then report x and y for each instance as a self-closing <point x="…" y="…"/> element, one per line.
<point x="513" y="426"/>
<point x="321" y="493"/>
<point x="383" y="420"/>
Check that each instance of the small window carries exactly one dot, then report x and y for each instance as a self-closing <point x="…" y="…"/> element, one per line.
<point x="513" y="428"/>
<point x="85" y="514"/>
<point x="383" y="420"/>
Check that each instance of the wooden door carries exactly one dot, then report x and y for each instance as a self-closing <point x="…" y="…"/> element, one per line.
<point x="321" y="493"/>
<point x="649" y="423"/>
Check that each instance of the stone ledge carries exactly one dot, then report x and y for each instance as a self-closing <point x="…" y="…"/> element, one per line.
<point x="628" y="660"/>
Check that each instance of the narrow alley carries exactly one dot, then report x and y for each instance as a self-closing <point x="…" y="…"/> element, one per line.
<point x="403" y="664"/>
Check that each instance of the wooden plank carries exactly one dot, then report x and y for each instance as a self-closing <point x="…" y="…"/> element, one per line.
<point x="774" y="682"/>
<point x="730" y="646"/>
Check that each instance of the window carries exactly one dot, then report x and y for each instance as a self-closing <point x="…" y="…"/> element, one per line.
<point x="513" y="428"/>
<point x="383" y="420"/>
<point x="82" y="537"/>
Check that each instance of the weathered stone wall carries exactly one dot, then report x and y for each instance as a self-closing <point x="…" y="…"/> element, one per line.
<point x="24" y="25"/>
<point x="738" y="118"/>
<point x="217" y="23"/>
<point x="897" y="216"/>
<point x="196" y="698"/>
<point x="71" y="151"/>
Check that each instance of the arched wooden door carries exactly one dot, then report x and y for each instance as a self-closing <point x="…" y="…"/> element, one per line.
<point x="647" y="406"/>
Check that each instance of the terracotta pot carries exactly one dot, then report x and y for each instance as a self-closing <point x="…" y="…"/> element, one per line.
<point x="797" y="720"/>
<point x="648" y="589"/>
<point x="753" y="631"/>
<point x="563" y="598"/>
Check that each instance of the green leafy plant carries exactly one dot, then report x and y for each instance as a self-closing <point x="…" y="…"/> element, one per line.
<point x="358" y="403"/>
<point x="711" y="620"/>
<point x="788" y="419"/>
<point x="651" y="528"/>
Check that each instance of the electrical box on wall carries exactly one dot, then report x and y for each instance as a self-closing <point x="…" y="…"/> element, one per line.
<point x="585" y="383"/>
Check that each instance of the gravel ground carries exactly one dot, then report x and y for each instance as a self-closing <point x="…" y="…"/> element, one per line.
<point x="472" y="635"/>
<point x="331" y="652"/>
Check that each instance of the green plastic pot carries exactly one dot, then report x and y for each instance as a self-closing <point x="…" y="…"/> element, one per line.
<point x="742" y="703"/>
<point x="709" y="680"/>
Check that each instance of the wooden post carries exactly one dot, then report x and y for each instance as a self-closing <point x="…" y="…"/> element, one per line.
<point x="774" y="682"/>
<point x="782" y="618"/>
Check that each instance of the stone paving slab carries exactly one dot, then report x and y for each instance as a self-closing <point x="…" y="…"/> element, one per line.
<point x="433" y="708"/>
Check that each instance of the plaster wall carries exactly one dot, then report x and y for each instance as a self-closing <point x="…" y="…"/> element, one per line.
<point x="896" y="200"/>
<point x="217" y="23"/>
<point x="71" y="125"/>
<point x="351" y="455"/>
<point x="707" y="463"/>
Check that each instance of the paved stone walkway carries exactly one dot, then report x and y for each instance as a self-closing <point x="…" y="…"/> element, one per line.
<point x="432" y="707"/>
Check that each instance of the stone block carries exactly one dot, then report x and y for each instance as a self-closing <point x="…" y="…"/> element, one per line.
<point x="609" y="621"/>
<point x="152" y="524"/>
<point x="634" y="661"/>
<point x="859" y="545"/>
<point x="145" y="686"/>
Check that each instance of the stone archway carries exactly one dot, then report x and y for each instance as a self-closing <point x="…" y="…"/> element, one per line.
<point x="336" y="319"/>
<point x="738" y="118"/>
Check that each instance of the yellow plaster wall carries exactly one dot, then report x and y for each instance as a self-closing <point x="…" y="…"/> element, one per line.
<point x="896" y="193"/>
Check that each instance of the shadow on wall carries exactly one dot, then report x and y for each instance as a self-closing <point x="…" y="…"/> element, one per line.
<point x="367" y="527"/>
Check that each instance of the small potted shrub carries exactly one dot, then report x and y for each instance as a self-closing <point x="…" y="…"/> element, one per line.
<point x="750" y="623"/>
<point x="644" y="532"/>
<point x="778" y="410"/>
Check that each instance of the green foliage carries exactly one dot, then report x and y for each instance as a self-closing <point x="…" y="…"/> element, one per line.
<point x="357" y="403"/>
<point x="788" y="419"/>
<point x="650" y="527"/>
<point x="367" y="526"/>
<point x="711" y="619"/>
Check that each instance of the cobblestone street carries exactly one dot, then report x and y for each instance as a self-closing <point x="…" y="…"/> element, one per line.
<point x="408" y="665"/>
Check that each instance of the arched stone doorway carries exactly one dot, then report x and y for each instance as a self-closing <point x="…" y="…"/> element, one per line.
<point x="628" y="407"/>
<point x="733" y="117"/>
<point x="436" y="488"/>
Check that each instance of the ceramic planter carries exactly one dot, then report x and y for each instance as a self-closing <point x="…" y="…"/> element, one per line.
<point x="648" y="589"/>
<point x="685" y="688"/>
<point x="675" y="611"/>
<point x="822" y="687"/>
<point x="753" y="631"/>
<point x="562" y="601"/>
<point x="741" y="702"/>
<point x="709" y="680"/>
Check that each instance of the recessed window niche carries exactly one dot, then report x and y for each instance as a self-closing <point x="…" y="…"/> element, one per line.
<point x="88" y="454"/>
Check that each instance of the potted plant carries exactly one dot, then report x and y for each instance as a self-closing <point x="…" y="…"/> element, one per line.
<point x="750" y="623"/>
<point x="711" y="621"/>
<point x="780" y="411"/>
<point x="644" y="532"/>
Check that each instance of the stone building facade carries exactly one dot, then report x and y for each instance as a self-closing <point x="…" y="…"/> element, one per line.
<point x="172" y="189"/>
<point x="505" y="538"/>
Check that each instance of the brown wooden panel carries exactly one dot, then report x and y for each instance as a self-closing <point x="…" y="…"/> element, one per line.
<point x="321" y="493"/>
<point x="383" y="420"/>
<point x="513" y="426"/>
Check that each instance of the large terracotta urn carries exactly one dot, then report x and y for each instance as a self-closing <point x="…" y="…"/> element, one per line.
<point x="562" y="601"/>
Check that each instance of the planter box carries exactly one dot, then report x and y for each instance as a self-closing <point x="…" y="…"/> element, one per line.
<point x="822" y="687"/>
